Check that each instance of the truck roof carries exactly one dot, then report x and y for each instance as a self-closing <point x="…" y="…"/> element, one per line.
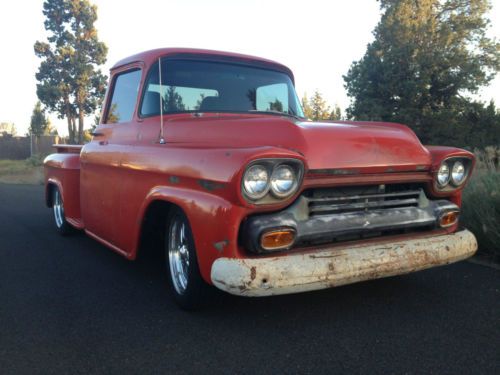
<point x="150" y="56"/>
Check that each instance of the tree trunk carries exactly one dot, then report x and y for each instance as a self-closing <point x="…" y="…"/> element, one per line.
<point x="70" y="129"/>
<point x="73" y="125"/>
<point x="81" y="118"/>
<point x="69" y="118"/>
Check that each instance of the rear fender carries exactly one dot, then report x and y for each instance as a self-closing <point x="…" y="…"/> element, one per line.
<point x="63" y="172"/>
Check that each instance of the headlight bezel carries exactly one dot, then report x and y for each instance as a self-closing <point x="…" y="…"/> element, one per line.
<point x="452" y="185"/>
<point x="272" y="164"/>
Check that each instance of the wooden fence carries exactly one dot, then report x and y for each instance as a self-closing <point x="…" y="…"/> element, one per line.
<point x="17" y="148"/>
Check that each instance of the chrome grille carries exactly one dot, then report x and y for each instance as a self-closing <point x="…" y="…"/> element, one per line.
<point x="343" y="200"/>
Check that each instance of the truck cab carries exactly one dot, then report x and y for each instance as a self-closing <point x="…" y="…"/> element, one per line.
<point x="210" y="152"/>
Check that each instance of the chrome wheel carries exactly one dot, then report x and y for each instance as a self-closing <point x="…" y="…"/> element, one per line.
<point x="178" y="254"/>
<point x="58" y="208"/>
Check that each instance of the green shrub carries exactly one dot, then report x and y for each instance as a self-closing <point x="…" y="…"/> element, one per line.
<point x="481" y="203"/>
<point x="35" y="160"/>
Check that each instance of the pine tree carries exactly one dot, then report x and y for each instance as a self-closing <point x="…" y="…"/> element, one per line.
<point x="39" y="122"/>
<point x="335" y="114"/>
<point x="70" y="82"/>
<point x="172" y="101"/>
<point x="426" y="56"/>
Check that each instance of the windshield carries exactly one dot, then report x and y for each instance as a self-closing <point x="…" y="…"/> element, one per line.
<point x="204" y="86"/>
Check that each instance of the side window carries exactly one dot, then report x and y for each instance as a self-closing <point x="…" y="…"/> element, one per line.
<point x="125" y="90"/>
<point x="272" y="98"/>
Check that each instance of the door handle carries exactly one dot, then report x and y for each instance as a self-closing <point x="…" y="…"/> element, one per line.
<point x="96" y="134"/>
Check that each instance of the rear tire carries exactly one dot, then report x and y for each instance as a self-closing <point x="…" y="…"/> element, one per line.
<point x="188" y="288"/>
<point x="62" y="226"/>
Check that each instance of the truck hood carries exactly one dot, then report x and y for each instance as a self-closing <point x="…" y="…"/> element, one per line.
<point x="325" y="145"/>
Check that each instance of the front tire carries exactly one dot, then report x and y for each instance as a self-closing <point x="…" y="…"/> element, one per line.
<point x="62" y="226"/>
<point x="186" y="284"/>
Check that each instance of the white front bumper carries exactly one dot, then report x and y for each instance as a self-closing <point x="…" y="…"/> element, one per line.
<point x="325" y="268"/>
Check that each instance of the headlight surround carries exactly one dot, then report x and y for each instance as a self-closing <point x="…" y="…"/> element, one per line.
<point x="283" y="181"/>
<point x="271" y="180"/>
<point x="453" y="173"/>
<point x="256" y="182"/>
<point x="443" y="175"/>
<point x="458" y="173"/>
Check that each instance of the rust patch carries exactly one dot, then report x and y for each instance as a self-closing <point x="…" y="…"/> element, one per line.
<point x="221" y="245"/>
<point x="253" y="273"/>
<point x="210" y="185"/>
<point x="385" y="248"/>
<point x="174" y="179"/>
<point x="314" y="256"/>
<point x="337" y="268"/>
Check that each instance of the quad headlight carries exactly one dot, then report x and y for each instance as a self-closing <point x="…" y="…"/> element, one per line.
<point x="443" y="175"/>
<point x="271" y="180"/>
<point x="453" y="172"/>
<point x="283" y="181"/>
<point x="458" y="173"/>
<point x="256" y="182"/>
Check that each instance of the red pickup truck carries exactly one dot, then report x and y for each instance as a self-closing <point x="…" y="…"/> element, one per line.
<point x="210" y="152"/>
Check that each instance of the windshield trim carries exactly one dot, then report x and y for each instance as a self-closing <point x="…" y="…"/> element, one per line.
<point x="252" y="63"/>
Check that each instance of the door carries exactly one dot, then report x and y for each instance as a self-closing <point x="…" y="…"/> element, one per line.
<point x="101" y="167"/>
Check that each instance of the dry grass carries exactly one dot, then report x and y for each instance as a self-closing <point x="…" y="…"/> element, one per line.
<point x="29" y="171"/>
<point x="481" y="202"/>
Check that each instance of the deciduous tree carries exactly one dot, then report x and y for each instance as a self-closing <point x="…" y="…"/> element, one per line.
<point x="306" y="107"/>
<point x="8" y="128"/>
<point x="315" y="108"/>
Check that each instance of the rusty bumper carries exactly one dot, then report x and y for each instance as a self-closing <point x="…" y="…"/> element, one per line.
<point x="300" y="272"/>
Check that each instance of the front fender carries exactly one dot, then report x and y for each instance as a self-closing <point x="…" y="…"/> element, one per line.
<point x="214" y="222"/>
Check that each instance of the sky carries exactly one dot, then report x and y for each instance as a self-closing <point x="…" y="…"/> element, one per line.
<point x="317" y="39"/>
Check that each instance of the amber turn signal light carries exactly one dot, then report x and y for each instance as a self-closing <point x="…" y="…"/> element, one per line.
<point x="448" y="219"/>
<point x="277" y="239"/>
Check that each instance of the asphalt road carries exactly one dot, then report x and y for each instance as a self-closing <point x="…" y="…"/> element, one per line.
<point x="69" y="305"/>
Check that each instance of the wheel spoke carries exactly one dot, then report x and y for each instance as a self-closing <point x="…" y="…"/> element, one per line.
<point x="58" y="208"/>
<point x="178" y="255"/>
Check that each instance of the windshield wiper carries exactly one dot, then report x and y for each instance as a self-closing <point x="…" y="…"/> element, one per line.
<point x="277" y="113"/>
